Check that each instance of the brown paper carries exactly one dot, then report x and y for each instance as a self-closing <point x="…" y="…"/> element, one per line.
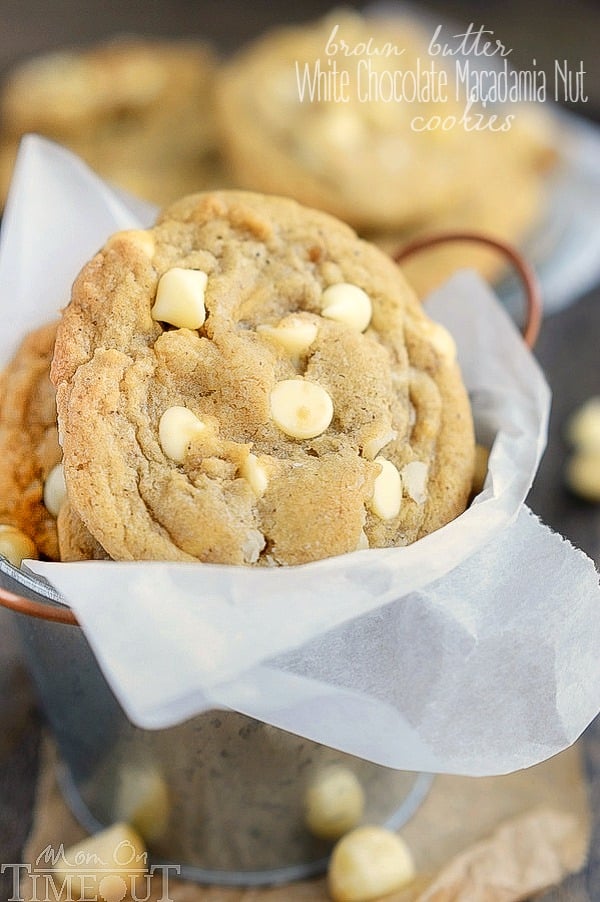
<point x="497" y="839"/>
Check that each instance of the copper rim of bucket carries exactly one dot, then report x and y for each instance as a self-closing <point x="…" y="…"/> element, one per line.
<point x="531" y="328"/>
<point x="531" y="285"/>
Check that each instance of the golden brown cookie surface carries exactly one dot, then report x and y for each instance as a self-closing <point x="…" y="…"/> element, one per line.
<point x="75" y="542"/>
<point x="29" y="447"/>
<point x="248" y="382"/>
<point x="32" y="494"/>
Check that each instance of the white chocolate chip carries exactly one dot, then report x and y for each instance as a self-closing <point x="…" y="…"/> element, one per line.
<point x="300" y="408"/>
<point x="177" y="429"/>
<point x="180" y="298"/>
<point x="368" y="863"/>
<point x="349" y="304"/>
<point x="373" y="446"/>
<point x="583" y="475"/>
<point x="387" y="491"/>
<point x="583" y="428"/>
<point x="15" y="545"/>
<point x="414" y="479"/>
<point x="55" y="490"/>
<point x="255" y="474"/>
<point x="294" y="334"/>
<point x="334" y="802"/>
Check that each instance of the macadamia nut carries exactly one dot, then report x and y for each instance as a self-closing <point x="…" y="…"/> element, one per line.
<point x="255" y="474"/>
<point x="334" y="802"/>
<point x="583" y="428"/>
<point x="414" y="479"/>
<point x="583" y="475"/>
<point x="294" y="334"/>
<point x="143" y="800"/>
<point x="119" y="854"/>
<point x="16" y="546"/>
<point x="368" y="863"/>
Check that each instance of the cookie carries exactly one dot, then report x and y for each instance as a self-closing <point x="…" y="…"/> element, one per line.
<point x="29" y="446"/>
<point x="354" y="158"/>
<point x="32" y="492"/>
<point x="75" y="542"/>
<point x="358" y="148"/>
<point x="139" y="112"/>
<point x="250" y="383"/>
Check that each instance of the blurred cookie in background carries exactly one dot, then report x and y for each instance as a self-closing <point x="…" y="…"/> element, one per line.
<point x="290" y="124"/>
<point x="138" y="111"/>
<point x="507" y="200"/>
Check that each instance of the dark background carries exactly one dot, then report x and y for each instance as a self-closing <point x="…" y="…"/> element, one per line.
<point x="536" y="29"/>
<point x="568" y="348"/>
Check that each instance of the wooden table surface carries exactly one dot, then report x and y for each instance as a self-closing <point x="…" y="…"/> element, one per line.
<point x="568" y="348"/>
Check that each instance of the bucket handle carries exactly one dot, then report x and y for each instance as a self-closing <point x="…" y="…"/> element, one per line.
<point x="531" y="285"/>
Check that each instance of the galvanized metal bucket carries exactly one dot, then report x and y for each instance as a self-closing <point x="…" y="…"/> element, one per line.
<point x="221" y="796"/>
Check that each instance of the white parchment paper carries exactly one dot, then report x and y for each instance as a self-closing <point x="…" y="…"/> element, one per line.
<point x="475" y="650"/>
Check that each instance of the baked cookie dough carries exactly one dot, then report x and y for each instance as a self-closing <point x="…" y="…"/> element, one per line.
<point x="250" y="383"/>
<point x="32" y="491"/>
<point x="139" y="112"/>
<point x="74" y="541"/>
<point x="29" y="447"/>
